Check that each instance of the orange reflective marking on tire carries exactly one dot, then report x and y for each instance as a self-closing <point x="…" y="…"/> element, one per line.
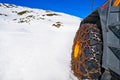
<point x="77" y="49"/>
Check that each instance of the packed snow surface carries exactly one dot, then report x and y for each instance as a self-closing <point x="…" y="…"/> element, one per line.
<point x="35" y="44"/>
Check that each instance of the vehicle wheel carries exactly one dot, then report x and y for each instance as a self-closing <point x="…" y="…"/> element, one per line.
<point x="87" y="52"/>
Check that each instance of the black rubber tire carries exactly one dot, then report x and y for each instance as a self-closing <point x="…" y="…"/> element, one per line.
<point x="87" y="65"/>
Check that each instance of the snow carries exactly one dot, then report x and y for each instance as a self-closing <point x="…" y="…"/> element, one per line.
<point x="36" y="50"/>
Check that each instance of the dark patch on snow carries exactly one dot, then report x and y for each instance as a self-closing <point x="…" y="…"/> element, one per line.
<point x="57" y="24"/>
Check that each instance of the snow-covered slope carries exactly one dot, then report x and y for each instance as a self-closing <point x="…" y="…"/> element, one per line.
<point x="35" y="44"/>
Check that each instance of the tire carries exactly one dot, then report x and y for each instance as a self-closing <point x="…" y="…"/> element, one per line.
<point x="86" y="59"/>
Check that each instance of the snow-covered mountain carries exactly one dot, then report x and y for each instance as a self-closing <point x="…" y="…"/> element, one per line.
<point x="35" y="44"/>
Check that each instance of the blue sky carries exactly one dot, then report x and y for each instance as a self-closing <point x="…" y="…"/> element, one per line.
<point x="80" y="8"/>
